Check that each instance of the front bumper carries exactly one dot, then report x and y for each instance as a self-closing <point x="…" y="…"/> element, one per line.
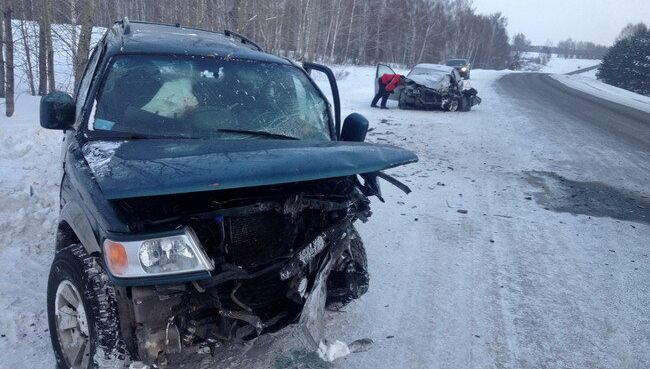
<point x="170" y="323"/>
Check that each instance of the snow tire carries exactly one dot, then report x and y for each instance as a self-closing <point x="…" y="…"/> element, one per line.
<point x="107" y="348"/>
<point x="350" y="279"/>
<point x="402" y="104"/>
<point x="464" y="103"/>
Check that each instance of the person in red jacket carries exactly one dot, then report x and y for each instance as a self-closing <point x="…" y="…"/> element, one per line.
<point x="387" y="84"/>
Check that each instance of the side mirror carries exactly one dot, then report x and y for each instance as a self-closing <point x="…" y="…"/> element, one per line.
<point x="355" y="128"/>
<point x="57" y="111"/>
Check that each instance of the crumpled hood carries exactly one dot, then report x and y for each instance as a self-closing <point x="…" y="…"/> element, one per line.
<point x="137" y="168"/>
<point x="430" y="81"/>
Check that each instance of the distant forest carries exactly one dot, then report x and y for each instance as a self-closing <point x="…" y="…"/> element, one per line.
<point x="365" y="32"/>
<point x="573" y="49"/>
<point x="334" y="31"/>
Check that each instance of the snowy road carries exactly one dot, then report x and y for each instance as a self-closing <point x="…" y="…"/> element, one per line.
<point x="617" y="122"/>
<point x="548" y="267"/>
<point x="557" y="281"/>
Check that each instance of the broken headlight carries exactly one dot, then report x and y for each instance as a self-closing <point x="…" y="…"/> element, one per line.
<point x="173" y="254"/>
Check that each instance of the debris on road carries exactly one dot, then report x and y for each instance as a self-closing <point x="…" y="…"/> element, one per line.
<point x="360" y="345"/>
<point x="332" y="351"/>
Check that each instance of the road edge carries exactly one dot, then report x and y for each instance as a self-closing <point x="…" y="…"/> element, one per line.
<point x="607" y="93"/>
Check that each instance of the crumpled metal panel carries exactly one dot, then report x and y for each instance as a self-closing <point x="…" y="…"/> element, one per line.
<point x="139" y="168"/>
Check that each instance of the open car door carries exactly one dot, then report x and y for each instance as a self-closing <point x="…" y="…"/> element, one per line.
<point x="385" y="69"/>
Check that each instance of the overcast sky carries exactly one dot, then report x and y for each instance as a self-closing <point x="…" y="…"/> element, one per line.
<point x="598" y="21"/>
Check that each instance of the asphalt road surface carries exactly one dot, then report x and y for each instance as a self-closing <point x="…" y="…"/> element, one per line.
<point x="549" y="268"/>
<point x="615" y="120"/>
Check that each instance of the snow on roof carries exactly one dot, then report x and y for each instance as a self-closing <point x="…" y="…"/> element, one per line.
<point x="440" y="67"/>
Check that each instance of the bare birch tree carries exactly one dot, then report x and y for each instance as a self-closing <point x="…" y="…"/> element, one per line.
<point x="2" y="57"/>
<point x="85" y="35"/>
<point x="27" y="50"/>
<point x="51" y="81"/>
<point x="43" y="29"/>
<point x="9" y="63"/>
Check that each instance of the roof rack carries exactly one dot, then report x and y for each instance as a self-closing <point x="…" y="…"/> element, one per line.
<point x="244" y="40"/>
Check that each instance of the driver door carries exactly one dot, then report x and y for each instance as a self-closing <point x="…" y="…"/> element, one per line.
<point x="385" y="69"/>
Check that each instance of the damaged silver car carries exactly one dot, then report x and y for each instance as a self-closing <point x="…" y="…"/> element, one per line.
<point x="433" y="86"/>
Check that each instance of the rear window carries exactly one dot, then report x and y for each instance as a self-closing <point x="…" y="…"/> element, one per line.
<point x="209" y="98"/>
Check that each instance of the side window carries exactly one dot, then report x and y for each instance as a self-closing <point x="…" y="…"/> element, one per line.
<point x="309" y="107"/>
<point x="86" y="81"/>
<point x="383" y="69"/>
<point x="301" y="94"/>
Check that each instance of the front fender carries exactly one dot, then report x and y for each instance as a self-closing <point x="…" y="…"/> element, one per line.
<point x="74" y="215"/>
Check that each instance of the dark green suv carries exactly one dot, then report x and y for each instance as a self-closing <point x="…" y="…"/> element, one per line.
<point x="209" y="195"/>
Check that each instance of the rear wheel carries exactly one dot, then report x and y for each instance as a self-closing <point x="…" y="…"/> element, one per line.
<point x="82" y="313"/>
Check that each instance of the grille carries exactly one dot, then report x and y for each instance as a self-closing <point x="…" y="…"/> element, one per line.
<point x="257" y="239"/>
<point x="429" y="97"/>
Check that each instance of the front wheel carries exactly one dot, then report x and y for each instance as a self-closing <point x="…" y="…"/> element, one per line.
<point x="401" y="103"/>
<point x="350" y="279"/>
<point x="464" y="103"/>
<point x="82" y="313"/>
<point x="452" y="105"/>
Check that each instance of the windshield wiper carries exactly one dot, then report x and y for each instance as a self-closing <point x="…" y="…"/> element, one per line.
<point x="141" y="136"/>
<point x="258" y="133"/>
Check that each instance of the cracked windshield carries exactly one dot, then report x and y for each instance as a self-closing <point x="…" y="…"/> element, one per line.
<point x="209" y="98"/>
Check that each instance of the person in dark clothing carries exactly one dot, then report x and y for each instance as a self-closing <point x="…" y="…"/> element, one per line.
<point x="387" y="84"/>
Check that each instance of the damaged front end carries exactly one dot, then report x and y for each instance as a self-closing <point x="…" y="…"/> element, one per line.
<point x="415" y="95"/>
<point x="279" y="253"/>
<point x="419" y="96"/>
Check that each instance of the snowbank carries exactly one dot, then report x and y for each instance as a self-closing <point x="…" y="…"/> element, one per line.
<point x="29" y="182"/>
<point x="589" y="84"/>
<point x="558" y="65"/>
